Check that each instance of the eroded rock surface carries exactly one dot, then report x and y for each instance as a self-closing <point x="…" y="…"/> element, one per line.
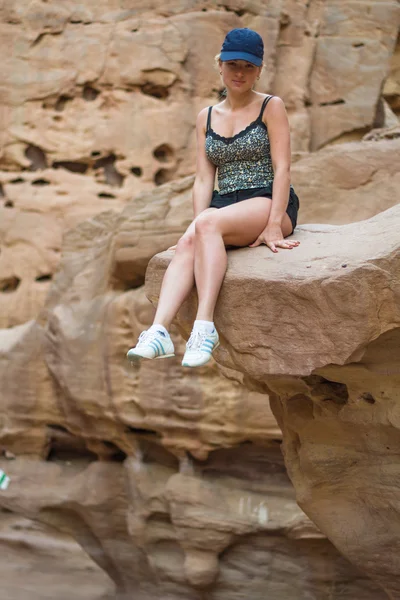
<point x="171" y="480"/>
<point x="349" y="182"/>
<point x="339" y="184"/>
<point x="40" y="561"/>
<point x="102" y="88"/>
<point x="86" y="127"/>
<point x="322" y="337"/>
<point x="35" y="211"/>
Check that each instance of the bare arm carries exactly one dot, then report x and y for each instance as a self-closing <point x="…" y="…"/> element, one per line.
<point x="279" y="136"/>
<point x="275" y="118"/>
<point x="205" y="170"/>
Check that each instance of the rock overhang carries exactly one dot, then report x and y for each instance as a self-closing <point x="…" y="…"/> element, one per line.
<point x="319" y="304"/>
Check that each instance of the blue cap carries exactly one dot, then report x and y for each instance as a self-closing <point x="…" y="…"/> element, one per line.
<point x="243" y="44"/>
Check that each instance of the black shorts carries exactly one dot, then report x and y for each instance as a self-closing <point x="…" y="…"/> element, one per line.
<point x="220" y="200"/>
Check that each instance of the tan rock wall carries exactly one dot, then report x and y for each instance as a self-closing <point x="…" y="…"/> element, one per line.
<point x="350" y="182"/>
<point x="391" y="90"/>
<point x="171" y="480"/>
<point x="91" y="82"/>
<point x="98" y="107"/>
<point x="99" y="104"/>
<point x="339" y="184"/>
<point x="40" y="561"/>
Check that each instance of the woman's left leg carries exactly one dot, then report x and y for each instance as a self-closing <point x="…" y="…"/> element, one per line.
<point x="236" y="225"/>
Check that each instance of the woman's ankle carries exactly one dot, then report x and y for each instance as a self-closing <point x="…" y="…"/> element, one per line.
<point x="159" y="326"/>
<point x="205" y="324"/>
<point x="204" y="316"/>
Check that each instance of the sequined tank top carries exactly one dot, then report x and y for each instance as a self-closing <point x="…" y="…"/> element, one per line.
<point x="243" y="160"/>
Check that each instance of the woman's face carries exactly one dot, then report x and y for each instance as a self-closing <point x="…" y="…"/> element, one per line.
<point x="239" y="75"/>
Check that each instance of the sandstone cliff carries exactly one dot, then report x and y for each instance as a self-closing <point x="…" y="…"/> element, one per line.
<point x="111" y="90"/>
<point x="86" y="128"/>
<point x="174" y="482"/>
<point x="321" y="336"/>
<point x="162" y="473"/>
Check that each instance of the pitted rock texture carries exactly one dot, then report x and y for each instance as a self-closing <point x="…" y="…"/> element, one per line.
<point x="35" y="211"/>
<point x="100" y="86"/>
<point x="318" y="329"/>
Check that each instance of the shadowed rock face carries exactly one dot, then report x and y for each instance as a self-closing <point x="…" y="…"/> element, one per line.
<point x="322" y="337"/>
<point x="46" y="557"/>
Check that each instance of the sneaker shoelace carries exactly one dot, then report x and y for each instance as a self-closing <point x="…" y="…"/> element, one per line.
<point x="145" y="337"/>
<point x="196" y="339"/>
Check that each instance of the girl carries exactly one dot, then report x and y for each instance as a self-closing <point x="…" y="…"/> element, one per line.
<point x="246" y="139"/>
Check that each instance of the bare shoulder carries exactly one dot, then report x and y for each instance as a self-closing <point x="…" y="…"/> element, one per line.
<point x="201" y="120"/>
<point x="202" y="114"/>
<point x="275" y="104"/>
<point x="275" y="110"/>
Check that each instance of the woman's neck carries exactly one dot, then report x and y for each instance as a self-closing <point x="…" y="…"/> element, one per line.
<point x="238" y="101"/>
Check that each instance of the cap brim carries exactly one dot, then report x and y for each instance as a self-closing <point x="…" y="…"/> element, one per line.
<point x="255" y="60"/>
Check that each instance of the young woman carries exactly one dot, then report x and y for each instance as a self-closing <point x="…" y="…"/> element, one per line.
<point x="246" y="138"/>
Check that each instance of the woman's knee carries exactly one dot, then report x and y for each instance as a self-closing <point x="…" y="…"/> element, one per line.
<point x="206" y="223"/>
<point x="185" y="245"/>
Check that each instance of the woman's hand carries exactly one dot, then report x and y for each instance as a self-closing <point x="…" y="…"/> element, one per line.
<point x="272" y="237"/>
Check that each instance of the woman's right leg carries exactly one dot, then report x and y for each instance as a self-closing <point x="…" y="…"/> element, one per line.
<point x="178" y="280"/>
<point x="177" y="283"/>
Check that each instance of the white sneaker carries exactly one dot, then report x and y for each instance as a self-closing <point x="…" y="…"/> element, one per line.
<point x="152" y="344"/>
<point x="199" y="347"/>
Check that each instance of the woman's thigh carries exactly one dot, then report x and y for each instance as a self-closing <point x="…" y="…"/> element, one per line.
<point x="240" y="224"/>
